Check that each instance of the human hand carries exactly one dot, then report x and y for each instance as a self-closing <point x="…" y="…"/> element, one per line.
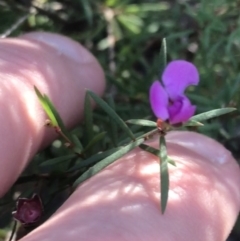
<point x="122" y="202"/>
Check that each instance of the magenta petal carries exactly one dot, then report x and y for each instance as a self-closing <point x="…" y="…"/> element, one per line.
<point x="177" y="76"/>
<point x="159" y="100"/>
<point x="181" y="110"/>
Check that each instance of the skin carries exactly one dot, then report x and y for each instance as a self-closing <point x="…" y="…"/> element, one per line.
<point x="120" y="203"/>
<point x="29" y="61"/>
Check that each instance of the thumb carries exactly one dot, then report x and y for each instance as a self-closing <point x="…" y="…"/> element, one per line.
<point x="60" y="68"/>
<point x="122" y="203"/>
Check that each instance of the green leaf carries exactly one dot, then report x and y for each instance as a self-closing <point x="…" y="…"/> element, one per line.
<point x="211" y="114"/>
<point x="57" y="160"/>
<point x="155" y="152"/>
<point x="96" y="139"/>
<point x="124" y="141"/>
<point x="46" y="107"/>
<point x="57" y="116"/>
<point x="142" y="122"/>
<point x="164" y="176"/>
<point x="88" y="117"/>
<point x="131" y="22"/>
<point x="113" y="124"/>
<point x="93" y="159"/>
<point x="107" y="161"/>
<point x="117" y="31"/>
<point x="163" y="57"/>
<point x="88" y="11"/>
<point x="78" y="148"/>
<point x="52" y="113"/>
<point x="193" y="123"/>
<point x="112" y="114"/>
<point x="147" y="7"/>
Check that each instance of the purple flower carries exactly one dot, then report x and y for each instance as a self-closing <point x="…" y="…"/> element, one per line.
<point x="29" y="210"/>
<point x="168" y="102"/>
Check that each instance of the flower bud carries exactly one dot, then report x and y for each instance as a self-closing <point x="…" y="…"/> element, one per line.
<point x="29" y="210"/>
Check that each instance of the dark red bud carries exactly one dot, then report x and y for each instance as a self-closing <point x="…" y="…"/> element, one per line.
<point x="29" y="210"/>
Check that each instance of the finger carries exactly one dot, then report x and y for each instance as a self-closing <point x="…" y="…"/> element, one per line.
<point x="60" y="68"/>
<point x="122" y="202"/>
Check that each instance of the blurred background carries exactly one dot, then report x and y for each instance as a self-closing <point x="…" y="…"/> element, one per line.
<point x="125" y="36"/>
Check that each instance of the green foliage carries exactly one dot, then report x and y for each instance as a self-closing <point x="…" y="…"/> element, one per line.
<point x="211" y="114"/>
<point x="206" y="33"/>
<point x="163" y="56"/>
<point x="142" y="122"/>
<point x="107" y="161"/>
<point x="117" y="153"/>
<point x="164" y="175"/>
<point x="45" y="104"/>
<point x="111" y="114"/>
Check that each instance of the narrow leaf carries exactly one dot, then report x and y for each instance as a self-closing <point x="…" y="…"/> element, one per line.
<point x="88" y="11"/>
<point x="96" y="139"/>
<point x="149" y="134"/>
<point x="164" y="176"/>
<point x="52" y="113"/>
<point x="211" y="114"/>
<point x="113" y="124"/>
<point x="88" y="117"/>
<point x="112" y="114"/>
<point x="57" y="160"/>
<point x="155" y="152"/>
<point x="147" y="7"/>
<point x="78" y="148"/>
<point x="163" y="58"/>
<point x="131" y="22"/>
<point x="124" y="141"/>
<point x="93" y="159"/>
<point x="142" y="122"/>
<point x="106" y="161"/>
<point x="57" y="116"/>
<point x="193" y="123"/>
<point x="46" y="107"/>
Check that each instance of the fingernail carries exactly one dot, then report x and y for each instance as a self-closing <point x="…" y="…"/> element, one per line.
<point x="63" y="45"/>
<point x="203" y="145"/>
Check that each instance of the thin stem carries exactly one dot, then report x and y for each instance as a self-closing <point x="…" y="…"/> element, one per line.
<point x="149" y="134"/>
<point x="13" y="230"/>
<point x="68" y="143"/>
<point x="59" y="131"/>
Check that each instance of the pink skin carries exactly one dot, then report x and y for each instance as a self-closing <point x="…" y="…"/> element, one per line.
<point x="62" y="73"/>
<point x="122" y="202"/>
